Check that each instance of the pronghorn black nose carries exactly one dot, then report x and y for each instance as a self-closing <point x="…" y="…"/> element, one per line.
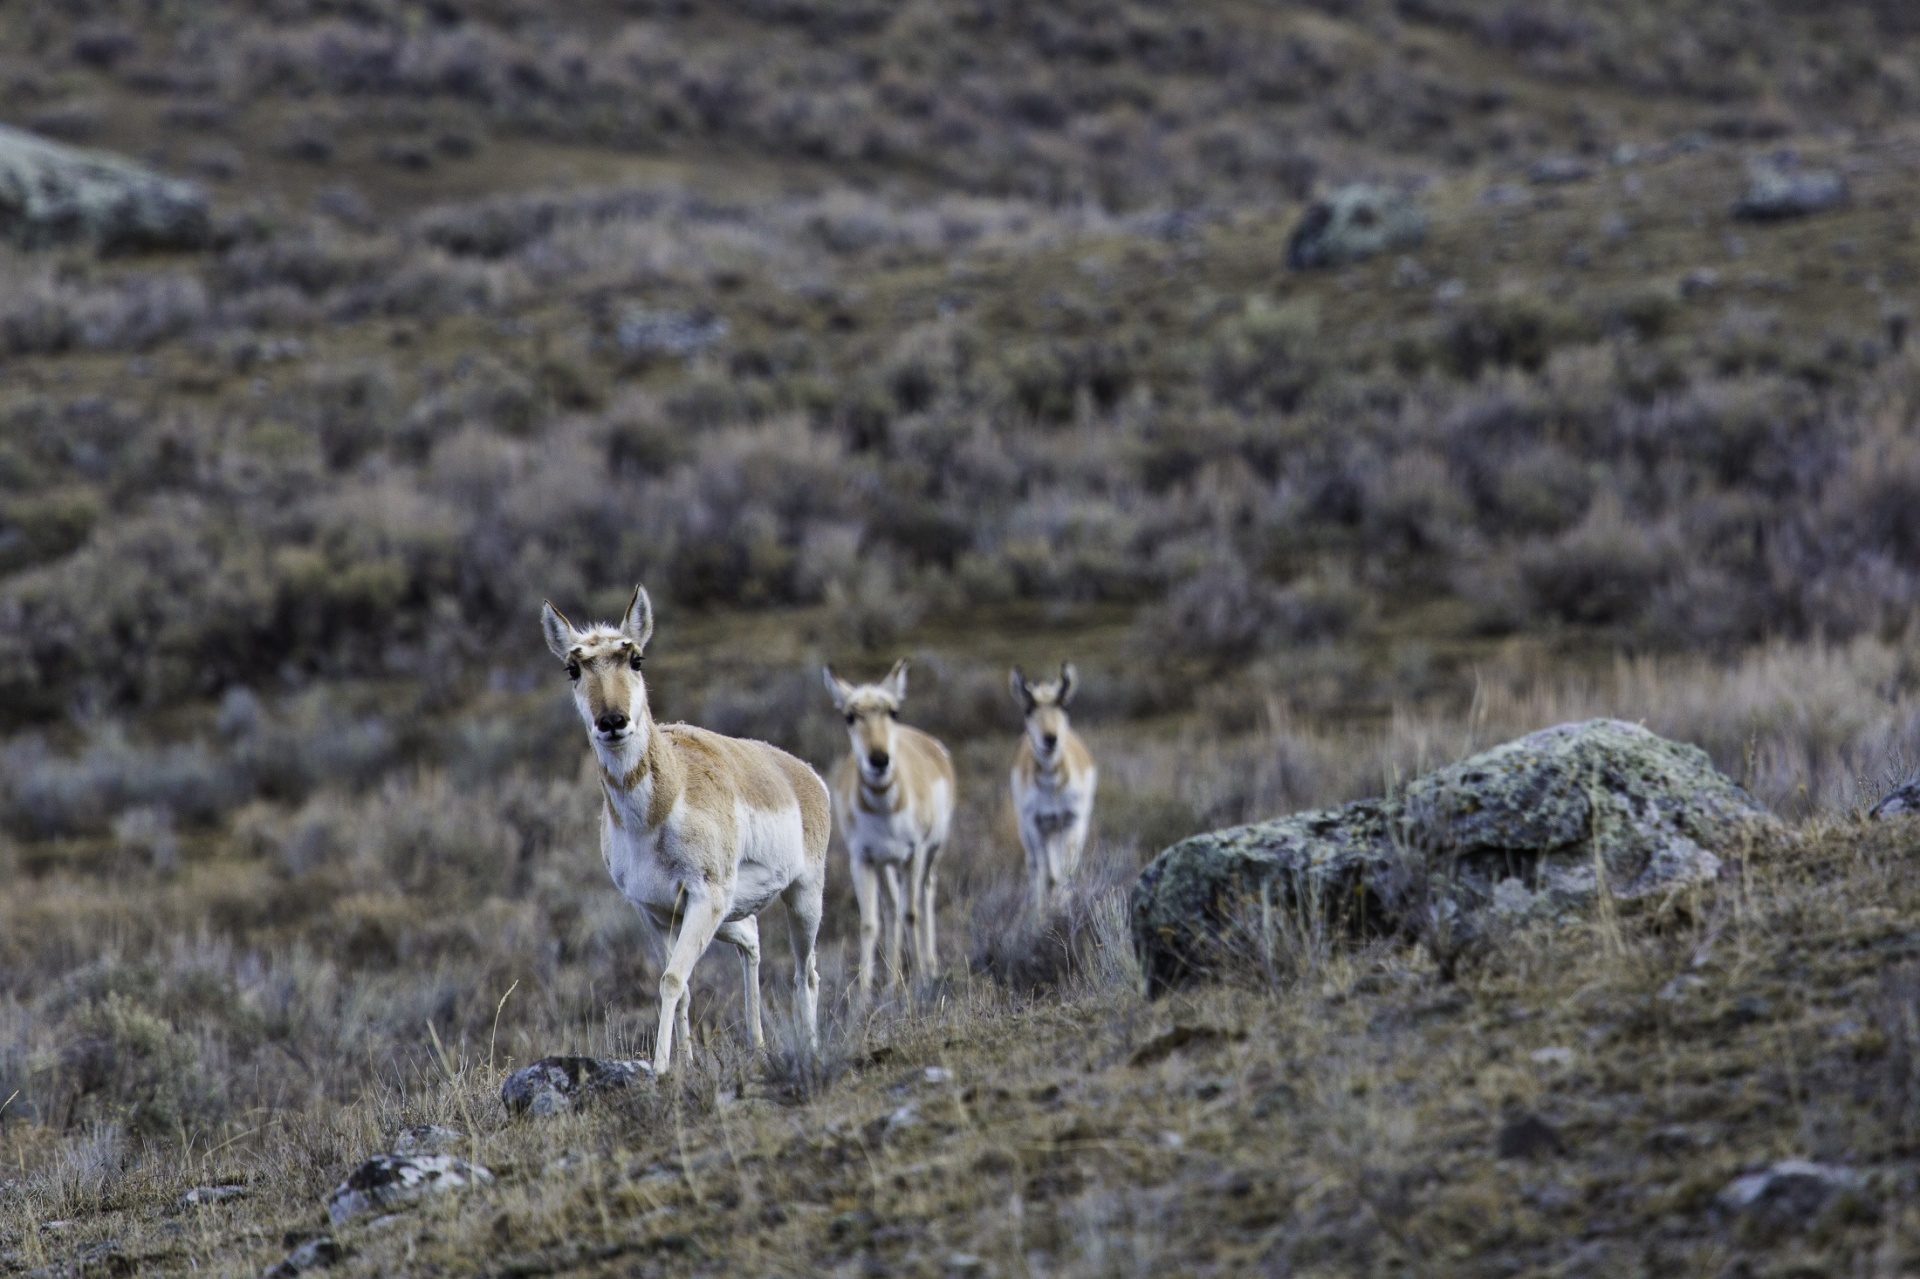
<point x="611" y="722"/>
<point x="1049" y="741"/>
<point x="879" y="760"/>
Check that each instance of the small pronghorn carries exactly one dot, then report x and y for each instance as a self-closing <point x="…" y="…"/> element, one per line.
<point x="1053" y="783"/>
<point x="893" y="797"/>
<point x="700" y="832"/>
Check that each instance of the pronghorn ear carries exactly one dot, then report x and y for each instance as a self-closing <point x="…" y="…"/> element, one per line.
<point x="896" y="682"/>
<point x="638" y="623"/>
<point x="559" y="631"/>
<point x="838" y="689"/>
<point x="1021" y="693"/>
<point x="1069" y="682"/>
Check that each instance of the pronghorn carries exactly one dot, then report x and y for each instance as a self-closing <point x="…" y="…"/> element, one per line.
<point x="700" y="832"/>
<point x="893" y="797"/>
<point x="1053" y="783"/>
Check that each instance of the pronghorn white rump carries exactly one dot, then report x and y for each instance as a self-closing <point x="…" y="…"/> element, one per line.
<point x="1053" y="780"/>
<point x="699" y="831"/>
<point x="893" y="796"/>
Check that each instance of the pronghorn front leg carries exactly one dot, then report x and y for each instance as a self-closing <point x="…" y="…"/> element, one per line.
<point x="896" y="919"/>
<point x="698" y="924"/>
<point x="866" y="890"/>
<point x="745" y="934"/>
<point x="1036" y="846"/>
<point x="929" y="898"/>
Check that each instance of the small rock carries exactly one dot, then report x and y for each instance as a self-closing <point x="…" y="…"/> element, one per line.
<point x="555" y="1085"/>
<point x="1527" y="1136"/>
<point x="1556" y="1056"/>
<point x="1697" y="282"/>
<point x="906" y="1117"/>
<point x="1791" y="1194"/>
<point x="1557" y="169"/>
<point x="51" y="193"/>
<point x="202" y="1196"/>
<point x="1354" y="223"/>
<point x="315" y="1254"/>
<point x="1902" y="800"/>
<point x="1774" y="193"/>
<point x="965" y="1263"/>
<point x="427" y="1139"/>
<point x="644" y="334"/>
<point x="937" y="1075"/>
<point x="390" y="1181"/>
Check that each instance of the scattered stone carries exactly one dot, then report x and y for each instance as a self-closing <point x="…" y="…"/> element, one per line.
<point x="392" y="1181"/>
<point x="51" y="194"/>
<point x="937" y="1075"/>
<point x="1527" y="1136"/>
<point x="1904" y="799"/>
<point x="1774" y="192"/>
<point x="1552" y="810"/>
<point x="907" y="1116"/>
<point x="644" y="334"/>
<point x="315" y="1254"/>
<point x="1700" y="281"/>
<point x="1555" y="170"/>
<point x="1562" y="1057"/>
<point x="427" y="1139"/>
<point x="1354" y="223"/>
<point x="204" y="1196"/>
<point x="555" y="1085"/>
<point x="1792" y="1194"/>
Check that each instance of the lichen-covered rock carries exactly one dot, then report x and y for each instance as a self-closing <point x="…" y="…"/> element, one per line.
<point x="555" y="1085"/>
<point x="1791" y="1195"/>
<point x="391" y="1181"/>
<point x="1902" y="801"/>
<point x="1354" y="223"/>
<point x="51" y="193"/>
<point x="427" y="1139"/>
<point x="1774" y="193"/>
<point x="1527" y="828"/>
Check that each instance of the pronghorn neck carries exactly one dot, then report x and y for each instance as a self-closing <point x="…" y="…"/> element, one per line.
<point x="880" y="799"/>
<point x="643" y="779"/>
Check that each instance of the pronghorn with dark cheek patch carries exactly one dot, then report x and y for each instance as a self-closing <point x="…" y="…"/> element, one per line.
<point x="700" y="832"/>
<point x="1054" y="778"/>
<point x="893" y="796"/>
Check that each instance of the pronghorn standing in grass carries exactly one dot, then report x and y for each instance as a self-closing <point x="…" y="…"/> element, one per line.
<point x="1053" y="783"/>
<point x="893" y="796"/>
<point x="700" y="832"/>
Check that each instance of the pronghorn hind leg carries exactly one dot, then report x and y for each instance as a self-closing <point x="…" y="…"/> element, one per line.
<point x="804" y="908"/>
<point x="698" y="924"/>
<point x="744" y="934"/>
<point x="866" y="889"/>
<point x="930" y="899"/>
<point x="896" y="917"/>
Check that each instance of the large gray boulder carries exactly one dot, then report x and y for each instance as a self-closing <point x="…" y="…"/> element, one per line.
<point x="51" y="194"/>
<point x="1525" y="829"/>
<point x="1354" y="223"/>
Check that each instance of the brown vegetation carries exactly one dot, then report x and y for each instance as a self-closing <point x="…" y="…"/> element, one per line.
<point x="961" y="331"/>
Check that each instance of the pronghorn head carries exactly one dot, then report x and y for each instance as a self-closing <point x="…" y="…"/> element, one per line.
<point x="1045" y="706"/>
<point x="604" y="664"/>
<point x="872" y="714"/>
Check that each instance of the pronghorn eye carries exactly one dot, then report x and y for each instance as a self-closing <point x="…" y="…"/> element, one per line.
<point x="851" y="719"/>
<point x="633" y="661"/>
<point x="573" y="670"/>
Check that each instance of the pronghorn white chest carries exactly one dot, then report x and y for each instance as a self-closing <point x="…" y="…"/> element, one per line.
<point x="643" y="861"/>
<point x="885" y="829"/>
<point x="1054" y="800"/>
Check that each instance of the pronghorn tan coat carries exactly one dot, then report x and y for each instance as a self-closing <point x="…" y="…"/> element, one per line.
<point x="1053" y="782"/>
<point x="893" y="796"/>
<point x="699" y="831"/>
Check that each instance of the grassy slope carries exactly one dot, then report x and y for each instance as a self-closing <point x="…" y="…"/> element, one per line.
<point x="1343" y="1126"/>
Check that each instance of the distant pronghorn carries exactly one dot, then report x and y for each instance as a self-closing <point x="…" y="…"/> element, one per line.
<point x="893" y="797"/>
<point x="700" y="832"/>
<point x="1053" y="783"/>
